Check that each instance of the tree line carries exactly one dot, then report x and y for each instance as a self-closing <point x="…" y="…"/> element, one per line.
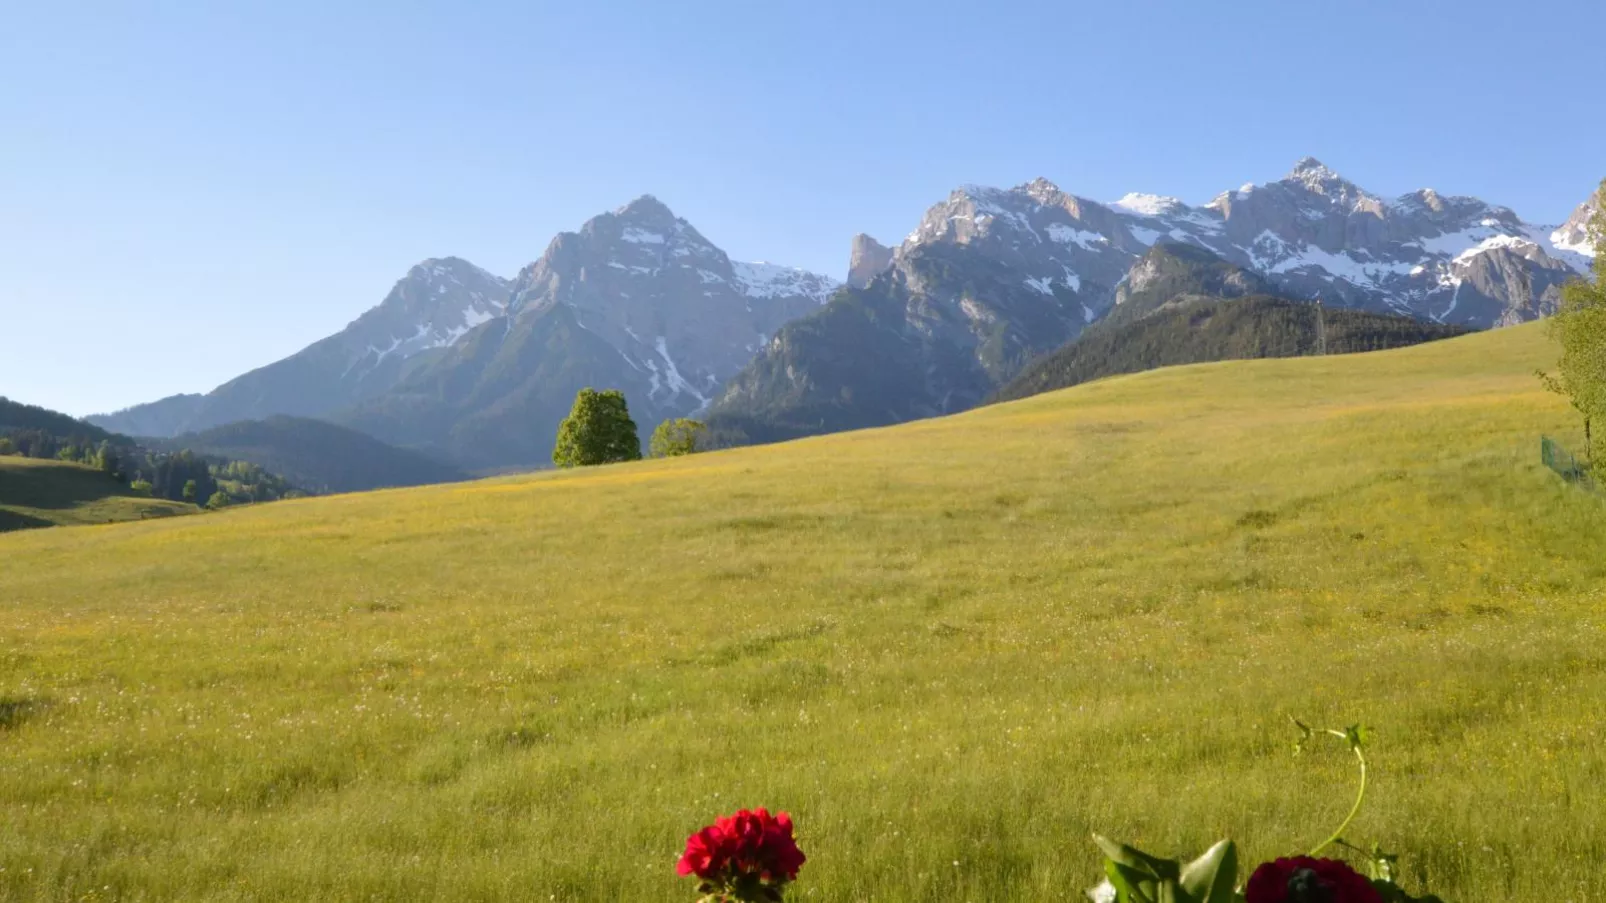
<point x="181" y="476"/>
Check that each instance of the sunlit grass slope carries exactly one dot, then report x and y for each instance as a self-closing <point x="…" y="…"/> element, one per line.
<point x="37" y="493"/>
<point x="950" y="648"/>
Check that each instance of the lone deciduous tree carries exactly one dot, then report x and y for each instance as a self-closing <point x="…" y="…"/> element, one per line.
<point x="676" y="437"/>
<point x="1579" y="327"/>
<point x="598" y="430"/>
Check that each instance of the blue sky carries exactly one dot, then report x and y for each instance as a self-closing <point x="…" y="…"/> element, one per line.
<point x="191" y="190"/>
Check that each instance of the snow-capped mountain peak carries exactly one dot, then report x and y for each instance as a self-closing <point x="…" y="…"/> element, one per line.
<point x="438" y="302"/>
<point x="768" y="280"/>
<point x="1149" y="204"/>
<point x="1312" y="233"/>
<point x="1575" y="235"/>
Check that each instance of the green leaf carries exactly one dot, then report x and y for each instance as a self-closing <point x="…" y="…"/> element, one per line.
<point x="1130" y="886"/>
<point x="1357" y="735"/>
<point x="1212" y="877"/>
<point x="1139" y="861"/>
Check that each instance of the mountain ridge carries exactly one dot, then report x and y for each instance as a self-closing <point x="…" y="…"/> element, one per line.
<point x="453" y="357"/>
<point x="1312" y="235"/>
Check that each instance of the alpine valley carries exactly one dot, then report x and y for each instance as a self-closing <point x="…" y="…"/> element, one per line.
<point x="478" y="371"/>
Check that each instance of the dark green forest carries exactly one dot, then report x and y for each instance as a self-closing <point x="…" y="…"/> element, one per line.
<point x="1193" y="329"/>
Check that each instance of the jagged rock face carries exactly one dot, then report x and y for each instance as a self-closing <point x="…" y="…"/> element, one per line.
<point x="433" y="306"/>
<point x="1575" y="234"/>
<point x="636" y="300"/>
<point x="1065" y="250"/>
<point x="479" y="370"/>
<point x="1316" y="234"/>
<point x="679" y="311"/>
<point x="991" y="277"/>
<point x="868" y="260"/>
<point x="1171" y="269"/>
<point x="1311" y="234"/>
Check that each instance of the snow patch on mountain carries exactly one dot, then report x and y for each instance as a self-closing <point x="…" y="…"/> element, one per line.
<point x="768" y="280"/>
<point x="1066" y="235"/>
<point x="1149" y="204"/>
<point x="677" y="383"/>
<point x="638" y="236"/>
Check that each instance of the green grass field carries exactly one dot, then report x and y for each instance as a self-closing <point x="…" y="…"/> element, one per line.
<point x="36" y="493"/>
<point x="951" y="649"/>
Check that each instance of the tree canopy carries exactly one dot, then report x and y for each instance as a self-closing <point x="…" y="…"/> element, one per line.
<point x="1579" y="327"/>
<point x="676" y="437"/>
<point x="598" y="430"/>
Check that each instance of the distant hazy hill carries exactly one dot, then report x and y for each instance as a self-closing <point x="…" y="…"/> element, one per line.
<point x="317" y="456"/>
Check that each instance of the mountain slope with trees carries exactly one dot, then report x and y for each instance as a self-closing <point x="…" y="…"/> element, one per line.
<point x="171" y="471"/>
<point x="316" y="456"/>
<point x="1192" y="329"/>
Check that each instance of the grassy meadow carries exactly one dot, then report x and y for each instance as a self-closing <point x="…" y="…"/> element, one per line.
<point x="41" y="493"/>
<point x="951" y="649"/>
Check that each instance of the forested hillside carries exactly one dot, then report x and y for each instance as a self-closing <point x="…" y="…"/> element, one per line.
<point x="1194" y="329"/>
<point x="176" y="473"/>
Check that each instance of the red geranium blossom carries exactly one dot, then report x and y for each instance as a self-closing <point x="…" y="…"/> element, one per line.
<point x="1306" y="880"/>
<point x="746" y="856"/>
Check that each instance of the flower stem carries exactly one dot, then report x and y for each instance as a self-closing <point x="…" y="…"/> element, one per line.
<point x="1355" y="809"/>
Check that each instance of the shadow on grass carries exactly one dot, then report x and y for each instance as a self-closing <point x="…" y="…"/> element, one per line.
<point x="12" y="520"/>
<point x="15" y="712"/>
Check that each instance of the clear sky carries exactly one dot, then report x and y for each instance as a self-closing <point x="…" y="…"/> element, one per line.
<point x="189" y="190"/>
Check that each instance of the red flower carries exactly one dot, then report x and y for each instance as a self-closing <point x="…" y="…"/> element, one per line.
<point x="1306" y="880"/>
<point x="748" y="847"/>
<point x="707" y="853"/>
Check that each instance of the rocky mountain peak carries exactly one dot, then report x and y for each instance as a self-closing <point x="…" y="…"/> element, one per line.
<point x="868" y="259"/>
<point x="1575" y="235"/>
<point x="646" y="207"/>
<point x="1310" y="166"/>
<point x="1041" y="190"/>
<point x="448" y="270"/>
<point x="1149" y="204"/>
<point x="1315" y="177"/>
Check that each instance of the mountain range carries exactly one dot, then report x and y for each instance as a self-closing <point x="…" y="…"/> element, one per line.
<point x="992" y="278"/>
<point x="1184" y="305"/>
<point x="477" y="370"/>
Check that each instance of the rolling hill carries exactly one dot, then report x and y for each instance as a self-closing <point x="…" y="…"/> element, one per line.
<point x="950" y="649"/>
<point x="42" y="493"/>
